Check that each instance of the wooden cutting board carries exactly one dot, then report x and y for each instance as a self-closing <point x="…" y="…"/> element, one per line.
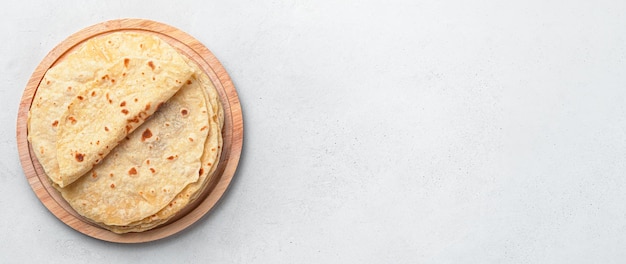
<point x="232" y="131"/>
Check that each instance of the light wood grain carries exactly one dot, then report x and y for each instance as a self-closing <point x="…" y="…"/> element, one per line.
<point x="232" y="132"/>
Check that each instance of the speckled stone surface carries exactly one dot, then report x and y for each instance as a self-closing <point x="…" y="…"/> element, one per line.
<point x="375" y="132"/>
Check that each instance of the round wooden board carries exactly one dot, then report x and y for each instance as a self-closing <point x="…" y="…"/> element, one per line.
<point x="232" y="132"/>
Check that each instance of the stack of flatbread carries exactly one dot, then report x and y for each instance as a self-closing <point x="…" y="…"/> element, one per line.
<point x="127" y="129"/>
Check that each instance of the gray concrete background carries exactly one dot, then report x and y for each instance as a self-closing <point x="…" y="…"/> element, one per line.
<point x="375" y="132"/>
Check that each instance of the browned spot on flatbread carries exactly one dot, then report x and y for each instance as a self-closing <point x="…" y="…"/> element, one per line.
<point x="188" y="81"/>
<point x="123" y="103"/>
<point x="80" y="97"/>
<point x="153" y="170"/>
<point x="203" y="128"/>
<point x="124" y="111"/>
<point x="55" y="123"/>
<point x="126" y="61"/>
<point x="135" y="119"/>
<point x="72" y="119"/>
<point x="201" y="171"/>
<point x="106" y="128"/>
<point x="184" y="112"/>
<point x="145" y="135"/>
<point x="132" y="171"/>
<point x="112" y="185"/>
<point x="79" y="157"/>
<point x="94" y="175"/>
<point x="170" y="157"/>
<point x="151" y="64"/>
<point x="147" y="106"/>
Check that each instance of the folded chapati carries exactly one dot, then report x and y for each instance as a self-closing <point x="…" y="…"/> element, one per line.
<point x="91" y="100"/>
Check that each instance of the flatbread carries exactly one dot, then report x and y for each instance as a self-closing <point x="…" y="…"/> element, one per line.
<point x="149" y="168"/>
<point x="145" y="154"/>
<point x="99" y="94"/>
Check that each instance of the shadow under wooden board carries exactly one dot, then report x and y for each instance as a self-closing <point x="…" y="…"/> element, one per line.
<point x="232" y="132"/>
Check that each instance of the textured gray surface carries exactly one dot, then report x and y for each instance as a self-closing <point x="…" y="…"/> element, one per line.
<point x="375" y="132"/>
